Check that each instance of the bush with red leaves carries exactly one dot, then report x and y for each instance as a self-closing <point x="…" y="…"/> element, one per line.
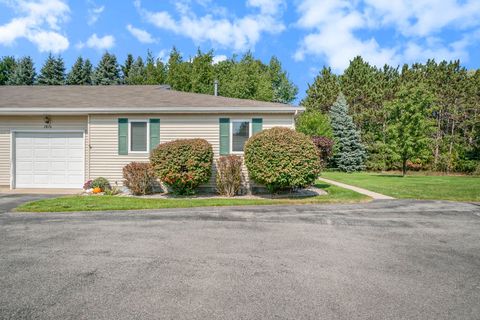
<point x="325" y="147"/>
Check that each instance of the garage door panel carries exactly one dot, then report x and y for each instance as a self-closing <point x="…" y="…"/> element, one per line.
<point x="24" y="179"/>
<point x="59" y="166"/>
<point x="74" y="166"/>
<point x="23" y="166"/>
<point x="39" y="178"/>
<point x="71" y="179"/>
<point x="23" y="153"/>
<point x="41" y="166"/>
<point x="49" y="160"/>
<point x="74" y="153"/>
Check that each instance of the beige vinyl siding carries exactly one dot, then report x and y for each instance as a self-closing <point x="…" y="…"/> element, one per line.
<point x="104" y="157"/>
<point x="9" y="123"/>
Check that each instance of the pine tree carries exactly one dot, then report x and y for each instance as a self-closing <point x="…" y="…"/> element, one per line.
<point x="284" y="91"/>
<point x="107" y="71"/>
<point x="24" y="72"/>
<point x="152" y="76"/>
<point x="75" y="76"/>
<point x="52" y="72"/>
<point x="202" y="73"/>
<point x="87" y="73"/>
<point x="323" y="92"/>
<point x="7" y="68"/>
<point x="409" y="126"/>
<point x="349" y="152"/>
<point x="137" y="73"/>
<point x="127" y="66"/>
<point x="179" y="72"/>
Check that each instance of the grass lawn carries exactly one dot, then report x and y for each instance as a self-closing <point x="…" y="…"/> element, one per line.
<point x="415" y="186"/>
<point x="98" y="203"/>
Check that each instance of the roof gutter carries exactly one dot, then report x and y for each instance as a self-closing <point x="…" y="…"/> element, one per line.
<point x="156" y="110"/>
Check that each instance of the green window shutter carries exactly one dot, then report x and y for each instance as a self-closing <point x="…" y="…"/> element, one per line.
<point x="224" y="136"/>
<point x="122" y="136"/>
<point x="154" y="133"/>
<point x="257" y="125"/>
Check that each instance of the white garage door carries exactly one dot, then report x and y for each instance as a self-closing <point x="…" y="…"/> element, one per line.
<point x="49" y="160"/>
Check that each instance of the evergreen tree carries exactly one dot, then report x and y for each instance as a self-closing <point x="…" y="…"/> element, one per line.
<point x="7" y="68"/>
<point x="87" y="73"/>
<point x="127" y="66"/>
<point x="137" y="73"/>
<point x="223" y="74"/>
<point x="75" y="76"/>
<point x="153" y="75"/>
<point x="179" y="72"/>
<point x="284" y="91"/>
<point x="24" y="72"/>
<point x="409" y="126"/>
<point x="251" y="79"/>
<point x="107" y="71"/>
<point x="202" y="73"/>
<point x="161" y="71"/>
<point x="52" y="72"/>
<point x="323" y="92"/>
<point x="349" y="153"/>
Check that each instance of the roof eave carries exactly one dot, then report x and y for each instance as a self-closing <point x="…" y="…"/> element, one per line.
<point x="155" y="110"/>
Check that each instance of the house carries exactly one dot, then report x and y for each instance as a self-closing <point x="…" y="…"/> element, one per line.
<point x="61" y="136"/>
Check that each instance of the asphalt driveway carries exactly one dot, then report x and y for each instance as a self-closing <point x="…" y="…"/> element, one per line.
<point x="9" y="201"/>
<point x="395" y="259"/>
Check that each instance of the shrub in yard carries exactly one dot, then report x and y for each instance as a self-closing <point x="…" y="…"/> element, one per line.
<point x="325" y="148"/>
<point x="87" y="185"/>
<point x="229" y="175"/>
<point x="281" y="158"/>
<point x="139" y="177"/>
<point x="101" y="183"/>
<point x="183" y="164"/>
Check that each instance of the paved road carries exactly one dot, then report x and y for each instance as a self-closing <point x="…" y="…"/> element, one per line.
<point x="395" y="259"/>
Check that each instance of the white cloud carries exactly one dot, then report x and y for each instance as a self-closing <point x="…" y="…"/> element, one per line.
<point x="94" y="42"/>
<point x="94" y="12"/>
<point x="141" y="35"/>
<point x="219" y="58"/>
<point x="270" y="7"/>
<point x="340" y="30"/>
<point x="163" y="55"/>
<point x="239" y="34"/>
<point x="38" y="22"/>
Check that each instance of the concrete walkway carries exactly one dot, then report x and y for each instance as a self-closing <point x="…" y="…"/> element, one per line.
<point x="371" y="194"/>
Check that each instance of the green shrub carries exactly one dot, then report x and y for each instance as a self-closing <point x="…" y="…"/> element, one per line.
<point x="183" y="164"/>
<point x="229" y="175"/>
<point x="139" y="177"/>
<point x="314" y="123"/>
<point x="281" y="158"/>
<point x="101" y="183"/>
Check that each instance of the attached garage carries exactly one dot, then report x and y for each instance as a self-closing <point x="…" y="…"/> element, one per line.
<point x="48" y="159"/>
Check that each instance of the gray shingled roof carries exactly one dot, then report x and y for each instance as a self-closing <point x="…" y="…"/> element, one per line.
<point x="123" y="98"/>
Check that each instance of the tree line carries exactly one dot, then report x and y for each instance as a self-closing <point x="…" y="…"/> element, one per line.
<point x="420" y="116"/>
<point x="244" y="77"/>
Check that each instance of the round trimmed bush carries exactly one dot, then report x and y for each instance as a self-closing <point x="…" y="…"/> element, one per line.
<point x="101" y="183"/>
<point x="281" y="158"/>
<point x="183" y="164"/>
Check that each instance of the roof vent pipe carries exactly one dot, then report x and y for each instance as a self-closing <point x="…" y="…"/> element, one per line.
<point x="215" y="86"/>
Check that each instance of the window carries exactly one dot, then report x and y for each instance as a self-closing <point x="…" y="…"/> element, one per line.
<point x="138" y="136"/>
<point x="240" y="134"/>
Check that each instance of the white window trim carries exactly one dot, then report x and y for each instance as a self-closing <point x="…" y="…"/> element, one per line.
<point x="231" y="133"/>
<point x="130" y="135"/>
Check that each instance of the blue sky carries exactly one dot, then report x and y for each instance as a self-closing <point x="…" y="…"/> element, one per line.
<point x="303" y="34"/>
